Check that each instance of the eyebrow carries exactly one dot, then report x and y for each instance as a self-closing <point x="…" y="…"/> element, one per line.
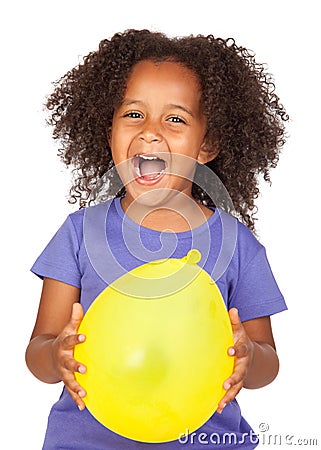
<point x="183" y="108"/>
<point x="131" y="101"/>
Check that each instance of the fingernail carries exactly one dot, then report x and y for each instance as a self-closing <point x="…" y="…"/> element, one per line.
<point x="82" y="394"/>
<point x="80" y="407"/>
<point x="221" y="409"/>
<point x="231" y="351"/>
<point x="82" y="369"/>
<point x="226" y="387"/>
<point x="81" y="338"/>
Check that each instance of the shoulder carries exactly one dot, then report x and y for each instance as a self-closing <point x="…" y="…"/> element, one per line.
<point x="246" y="244"/>
<point x="88" y="215"/>
<point x="253" y="290"/>
<point x="239" y="247"/>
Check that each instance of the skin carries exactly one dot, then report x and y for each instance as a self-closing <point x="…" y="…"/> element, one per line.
<point x="161" y="112"/>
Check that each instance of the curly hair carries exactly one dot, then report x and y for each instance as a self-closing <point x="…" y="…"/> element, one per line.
<point x="245" y="119"/>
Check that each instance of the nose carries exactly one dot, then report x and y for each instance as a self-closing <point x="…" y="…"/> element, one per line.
<point x="151" y="132"/>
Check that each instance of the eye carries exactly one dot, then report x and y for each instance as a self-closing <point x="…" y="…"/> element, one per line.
<point x="176" y="119"/>
<point x="133" y="115"/>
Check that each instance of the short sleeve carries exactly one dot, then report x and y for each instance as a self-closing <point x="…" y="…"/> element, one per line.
<point x="256" y="293"/>
<point x="59" y="260"/>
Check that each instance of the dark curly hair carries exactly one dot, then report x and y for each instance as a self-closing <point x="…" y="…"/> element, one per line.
<point x="244" y="116"/>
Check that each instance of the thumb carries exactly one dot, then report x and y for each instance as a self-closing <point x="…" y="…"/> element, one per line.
<point x="76" y="317"/>
<point x="234" y="317"/>
<point x="236" y="323"/>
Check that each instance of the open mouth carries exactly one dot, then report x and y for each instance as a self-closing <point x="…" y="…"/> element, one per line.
<point x="149" y="168"/>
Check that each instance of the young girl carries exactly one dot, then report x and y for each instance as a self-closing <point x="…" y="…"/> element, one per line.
<point x="149" y="105"/>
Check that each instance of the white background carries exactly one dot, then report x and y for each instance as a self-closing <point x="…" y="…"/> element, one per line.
<point x="40" y="41"/>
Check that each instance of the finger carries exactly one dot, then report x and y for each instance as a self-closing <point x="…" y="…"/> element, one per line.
<point x="71" y="340"/>
<point x="77" y="399"/>
<point x="229" y="396"/>
<point x="76" y="391"/>
<point x="75" y="388"/>
<point x="76" y="317"/>
<point x="74" y="366"/>
<point x="235" y="319"/>
<point x="239" y="350"/>
<point x="233" y="381"/>
<point x="237" y="376"/>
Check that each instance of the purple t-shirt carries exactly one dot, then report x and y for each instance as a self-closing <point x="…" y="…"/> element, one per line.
<point x="97" y="245"/>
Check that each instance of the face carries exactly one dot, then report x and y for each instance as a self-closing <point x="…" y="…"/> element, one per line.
<point x="158" y="131"/>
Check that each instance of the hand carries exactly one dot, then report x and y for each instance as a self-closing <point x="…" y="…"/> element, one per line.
<point x="63" y="350"/>
<point x="243" y="350"/>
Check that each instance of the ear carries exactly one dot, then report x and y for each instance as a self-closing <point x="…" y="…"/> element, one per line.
<point x="207" y="153"/>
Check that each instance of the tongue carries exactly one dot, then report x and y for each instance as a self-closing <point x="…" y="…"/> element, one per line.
<point x="151" y="167"/>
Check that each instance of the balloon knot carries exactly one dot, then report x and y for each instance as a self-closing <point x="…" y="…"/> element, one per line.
<point x="193" y="257"/>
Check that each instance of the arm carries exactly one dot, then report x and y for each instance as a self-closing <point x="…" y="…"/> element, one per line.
<point x="256" y="360"/>
<point x="49" y="355"/>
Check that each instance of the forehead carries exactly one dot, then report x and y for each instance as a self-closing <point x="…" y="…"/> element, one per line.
<point x="168" y="78"/>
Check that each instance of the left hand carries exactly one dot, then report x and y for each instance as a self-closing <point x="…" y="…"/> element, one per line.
<point x="243" y="351"/>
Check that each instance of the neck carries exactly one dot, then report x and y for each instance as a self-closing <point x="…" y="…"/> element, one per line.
<point x="178" y="215"/>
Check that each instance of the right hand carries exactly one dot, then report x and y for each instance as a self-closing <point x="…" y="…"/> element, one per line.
<point x="63" y="351"/>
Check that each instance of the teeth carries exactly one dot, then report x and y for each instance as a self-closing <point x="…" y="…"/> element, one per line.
<point x="148" y="157"/>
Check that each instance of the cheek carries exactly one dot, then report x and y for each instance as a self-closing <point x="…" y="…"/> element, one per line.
<point x="188" y="144"/>
<point x="117" y="143"/>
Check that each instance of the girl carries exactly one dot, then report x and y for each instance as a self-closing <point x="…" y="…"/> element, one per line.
<point x="149" y="105"/>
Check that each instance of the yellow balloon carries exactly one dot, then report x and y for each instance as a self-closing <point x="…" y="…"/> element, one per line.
<point x="156" y="351"/>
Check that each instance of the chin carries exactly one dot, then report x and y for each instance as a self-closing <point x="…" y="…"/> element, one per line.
<point x="151" y="198"/>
